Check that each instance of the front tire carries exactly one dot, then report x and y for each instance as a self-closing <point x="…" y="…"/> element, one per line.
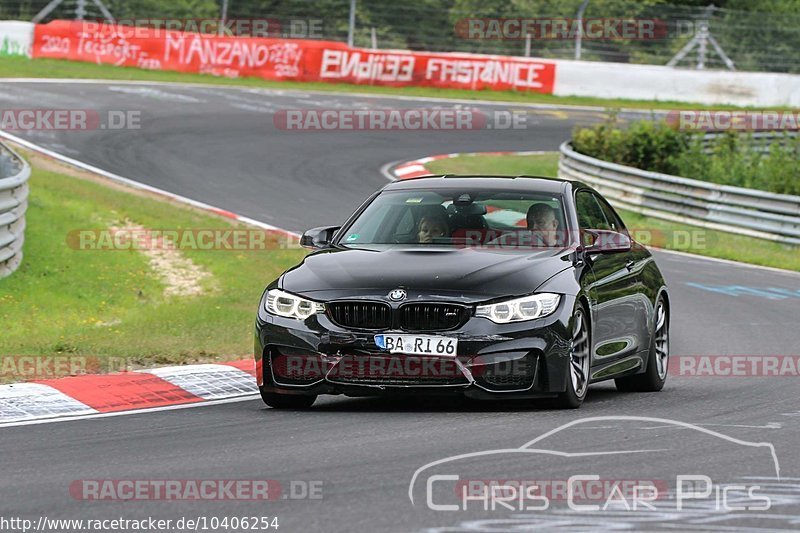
<point x="654" y="378"/>
<point x="580" y="362"/>
<point x="287" y="401"/>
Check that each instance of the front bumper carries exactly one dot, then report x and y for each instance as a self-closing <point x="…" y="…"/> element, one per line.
<point x="315" y="356"/>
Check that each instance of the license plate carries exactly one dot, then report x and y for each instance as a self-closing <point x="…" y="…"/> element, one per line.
<point x="418" y="344"/>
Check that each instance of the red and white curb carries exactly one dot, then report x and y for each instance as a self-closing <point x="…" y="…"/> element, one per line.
<point x="416" y="168"/>
<point x="102" y="394"/>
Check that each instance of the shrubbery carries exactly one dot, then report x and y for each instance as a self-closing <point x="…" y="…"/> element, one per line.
<point x="731" y="159"/>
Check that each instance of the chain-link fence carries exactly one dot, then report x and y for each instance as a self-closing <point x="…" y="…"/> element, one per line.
<point x="764" y="38"/>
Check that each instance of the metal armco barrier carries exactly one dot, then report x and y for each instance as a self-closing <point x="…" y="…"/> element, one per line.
<point x="754" y="213"/>
<point x="14" y="174"/>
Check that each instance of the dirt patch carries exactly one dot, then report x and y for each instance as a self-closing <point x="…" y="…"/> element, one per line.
<point x="179" y="274"/>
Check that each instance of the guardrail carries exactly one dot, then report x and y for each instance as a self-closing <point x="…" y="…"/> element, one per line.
<point x="760" y="214"/>
<point x="14" y="174"/>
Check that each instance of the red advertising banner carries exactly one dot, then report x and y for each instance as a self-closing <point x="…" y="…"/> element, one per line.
<point x="285" y="59"/>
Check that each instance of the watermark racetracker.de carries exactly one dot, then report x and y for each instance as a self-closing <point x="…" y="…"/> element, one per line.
<point x="412" y="120"/>
<point x="202" y="239"/>
<point x="39" y="367"/>
<point x="52" y="119"/>
<point x="715" y="120"/>
<point x="735" y="366"/>
<point x="263" y="27"/>
<point x="556" y="29"/>
<point x="195" y="489"/>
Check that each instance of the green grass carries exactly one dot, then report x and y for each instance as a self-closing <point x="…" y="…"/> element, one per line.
<point x="20" y="67"/>
<point x="111" y="303"/>
<point x="652" y="231"/>
<point x="512" y="165"/>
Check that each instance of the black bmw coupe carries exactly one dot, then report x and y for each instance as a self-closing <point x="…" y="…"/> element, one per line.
<point x="486" y="286"/>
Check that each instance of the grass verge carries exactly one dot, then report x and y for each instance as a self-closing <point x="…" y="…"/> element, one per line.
<point x="66" y="301"/>
<point x="664" y="234"/>
<point x="20" y="67"/>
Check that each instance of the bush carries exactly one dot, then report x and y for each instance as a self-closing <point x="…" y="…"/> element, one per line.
<point x="781" y="169"/>
<point x="644" y="144"/>
<point x="731" y="159"/>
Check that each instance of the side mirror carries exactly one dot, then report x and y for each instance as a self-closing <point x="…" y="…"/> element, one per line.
<point x="600" y="241"/>
<point x="318" y="237"/>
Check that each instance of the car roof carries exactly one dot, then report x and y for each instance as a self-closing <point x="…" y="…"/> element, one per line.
<point x="481" y="181"/>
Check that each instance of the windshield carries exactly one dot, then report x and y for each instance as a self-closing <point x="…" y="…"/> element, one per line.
<point x="460" y="217"/>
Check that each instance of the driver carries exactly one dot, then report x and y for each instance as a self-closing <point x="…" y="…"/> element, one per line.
<point x="543" y="223"/>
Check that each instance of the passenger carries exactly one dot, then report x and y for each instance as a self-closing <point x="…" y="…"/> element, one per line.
<point x="543" y="223"/>
<point x="432" y="224"/>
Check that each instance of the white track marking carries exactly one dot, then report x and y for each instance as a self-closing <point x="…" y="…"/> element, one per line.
<point x="245" y="398"/>
<point x="149" y="92"/>
<point x="770" y="425"/>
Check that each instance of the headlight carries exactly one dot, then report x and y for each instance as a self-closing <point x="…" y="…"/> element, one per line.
<point x="520" y="309"/>
<point x="282" y="303"/>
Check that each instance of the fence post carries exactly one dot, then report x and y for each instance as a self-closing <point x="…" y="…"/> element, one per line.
<point x="351" y="27"/>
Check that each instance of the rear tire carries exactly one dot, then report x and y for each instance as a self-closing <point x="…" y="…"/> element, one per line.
<point x="580" y="362"/>
<point x="287" y="401"/>
<point x="654" y="378"/>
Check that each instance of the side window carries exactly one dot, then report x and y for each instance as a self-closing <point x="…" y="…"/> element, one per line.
<point x="613" y="219"/>
<point x="590" y="214"/>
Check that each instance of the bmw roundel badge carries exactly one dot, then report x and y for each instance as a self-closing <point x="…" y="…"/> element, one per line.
<point x="397" y="295"/>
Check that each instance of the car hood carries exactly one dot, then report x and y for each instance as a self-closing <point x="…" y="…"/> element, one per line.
<point x="466" y="275"/>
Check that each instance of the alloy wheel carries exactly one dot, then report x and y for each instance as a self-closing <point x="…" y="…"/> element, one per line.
<point x="662" y="340"/>
<point x="579" y="355"/>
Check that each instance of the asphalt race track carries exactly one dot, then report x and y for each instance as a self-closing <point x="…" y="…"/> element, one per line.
<point x="221" y="146"/>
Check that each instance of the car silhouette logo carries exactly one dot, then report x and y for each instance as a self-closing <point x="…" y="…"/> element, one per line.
<point x="397" y="295"/>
